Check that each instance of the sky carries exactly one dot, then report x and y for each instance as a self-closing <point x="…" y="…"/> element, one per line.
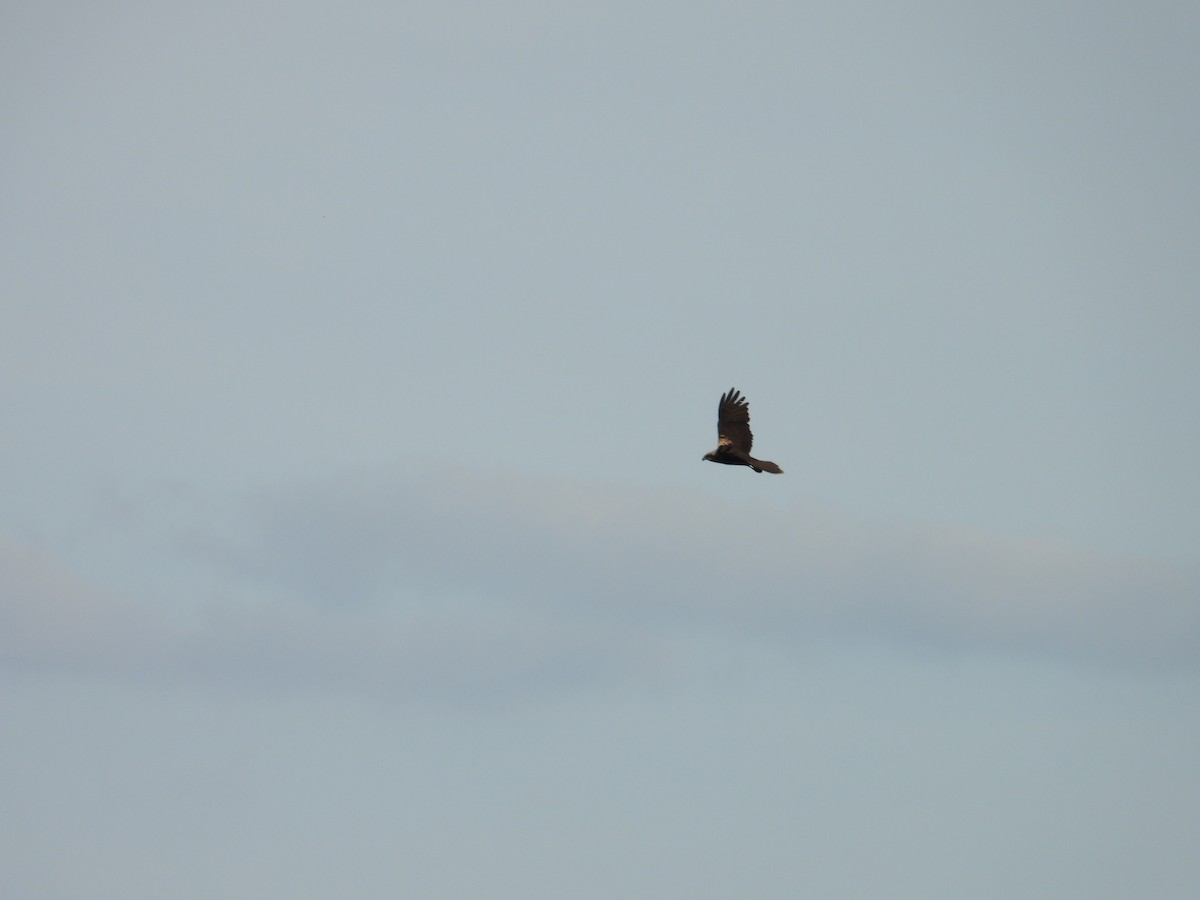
<point x="357" y="362"/>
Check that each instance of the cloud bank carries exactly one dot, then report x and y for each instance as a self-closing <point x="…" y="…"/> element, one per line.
<point x="455" y="582"/>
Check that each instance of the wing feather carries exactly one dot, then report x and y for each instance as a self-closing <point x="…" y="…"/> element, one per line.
<point x="733" y="421"/>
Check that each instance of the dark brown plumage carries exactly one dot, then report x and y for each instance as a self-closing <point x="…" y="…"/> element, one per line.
<point x="734" y="438"/>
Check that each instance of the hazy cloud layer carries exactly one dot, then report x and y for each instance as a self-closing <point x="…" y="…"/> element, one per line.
<point x="466" y="583"/>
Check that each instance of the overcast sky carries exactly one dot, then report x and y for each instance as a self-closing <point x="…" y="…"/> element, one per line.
<point x="357" y="362"/>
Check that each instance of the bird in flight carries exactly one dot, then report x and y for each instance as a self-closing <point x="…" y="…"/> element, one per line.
<point x="734" y="438"/>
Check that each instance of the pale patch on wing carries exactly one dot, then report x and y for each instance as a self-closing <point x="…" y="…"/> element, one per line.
<point x="724" y="442"/>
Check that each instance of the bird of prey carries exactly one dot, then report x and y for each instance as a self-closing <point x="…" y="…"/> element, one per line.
<point x="734" y="438"/>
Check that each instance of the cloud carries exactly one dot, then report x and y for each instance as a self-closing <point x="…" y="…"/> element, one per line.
<point x="667" y="559"/>
<point x="51" y="621"/>
<point x="49" y="617"/>
<point x="460" y="583"/>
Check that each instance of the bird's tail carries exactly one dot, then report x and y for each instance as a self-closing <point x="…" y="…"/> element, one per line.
<point x="762" y="465"/>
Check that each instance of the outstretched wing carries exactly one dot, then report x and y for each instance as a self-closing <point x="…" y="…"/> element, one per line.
<point x="733" y="422"/>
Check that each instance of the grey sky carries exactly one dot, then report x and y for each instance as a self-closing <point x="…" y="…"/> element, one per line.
<point x="357" y="365"/>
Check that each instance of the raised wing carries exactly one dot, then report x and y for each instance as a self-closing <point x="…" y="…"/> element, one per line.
<point x="733" y="422"/>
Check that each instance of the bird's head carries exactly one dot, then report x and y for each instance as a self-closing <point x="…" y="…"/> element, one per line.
<point x="711" y="457"/>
